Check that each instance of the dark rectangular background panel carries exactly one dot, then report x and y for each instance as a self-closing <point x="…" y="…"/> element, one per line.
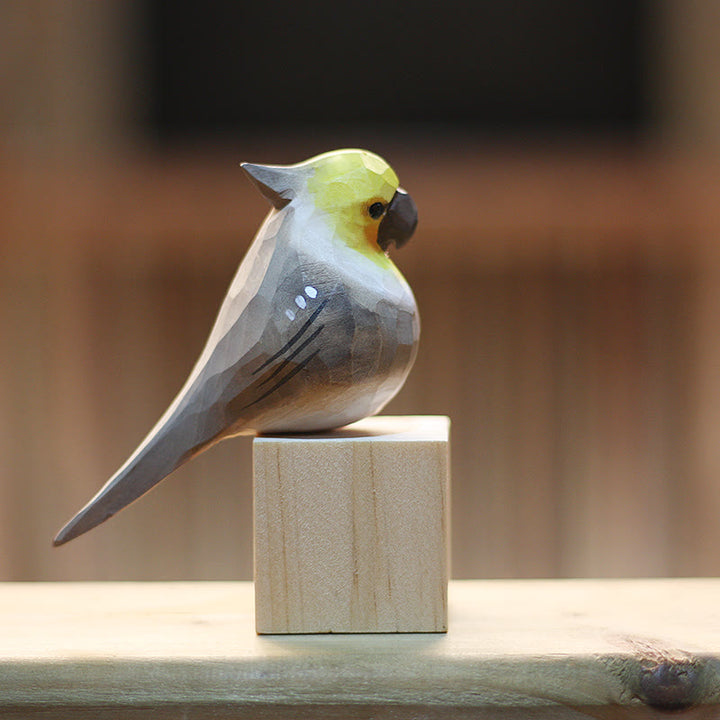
<point x="221" y="67"/>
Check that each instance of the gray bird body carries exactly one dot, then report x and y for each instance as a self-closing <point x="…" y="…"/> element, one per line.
<point x="311" y="335"/>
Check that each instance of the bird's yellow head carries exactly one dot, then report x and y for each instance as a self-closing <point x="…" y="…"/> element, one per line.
<point x="353" y="188"/>
<point x="355" y="191"/>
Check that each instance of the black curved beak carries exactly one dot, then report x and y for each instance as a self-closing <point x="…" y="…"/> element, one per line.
<point x="400" y="221"/>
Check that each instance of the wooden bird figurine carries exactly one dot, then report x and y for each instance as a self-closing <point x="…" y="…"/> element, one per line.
<point x="318" y="329"/>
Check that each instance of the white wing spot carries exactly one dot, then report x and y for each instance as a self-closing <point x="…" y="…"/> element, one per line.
<point x="290" y="314"/>
<point x="300" y="302"/>
<point x="311" y="292"/>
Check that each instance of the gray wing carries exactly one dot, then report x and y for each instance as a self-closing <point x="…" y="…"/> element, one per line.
<point x="245" y="360"/>
<point x="242" y="380"/>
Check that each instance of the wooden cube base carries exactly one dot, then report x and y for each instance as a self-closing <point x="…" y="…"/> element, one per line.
<point x="351" y="528"/>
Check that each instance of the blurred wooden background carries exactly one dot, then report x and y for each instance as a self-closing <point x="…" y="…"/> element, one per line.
<point x="569" y="292"/>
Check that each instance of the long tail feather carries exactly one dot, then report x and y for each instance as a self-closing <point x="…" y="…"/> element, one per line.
<point x="168" y="447"/>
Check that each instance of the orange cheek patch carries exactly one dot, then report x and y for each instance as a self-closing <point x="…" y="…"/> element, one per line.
<point x="370" y="231"/>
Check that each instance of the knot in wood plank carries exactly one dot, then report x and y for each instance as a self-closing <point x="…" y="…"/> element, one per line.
<point x="672" y="684"/>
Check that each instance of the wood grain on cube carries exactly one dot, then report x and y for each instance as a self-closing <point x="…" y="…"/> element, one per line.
<point x="351" y="528"/>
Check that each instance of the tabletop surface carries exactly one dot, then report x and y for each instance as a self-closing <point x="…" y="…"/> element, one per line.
<point x="567" y="648"/>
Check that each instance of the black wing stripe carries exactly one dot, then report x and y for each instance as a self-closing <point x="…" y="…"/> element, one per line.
<point x="284" y="379"/>
<point x="294" y="338"/>
<point x="298" y="349"/>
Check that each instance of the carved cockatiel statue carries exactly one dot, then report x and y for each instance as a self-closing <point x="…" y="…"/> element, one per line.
<point x="318" y="329"/>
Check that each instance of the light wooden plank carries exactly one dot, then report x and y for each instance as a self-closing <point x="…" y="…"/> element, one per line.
<point x="351" y="528"/>
<point x="531" y="648"/>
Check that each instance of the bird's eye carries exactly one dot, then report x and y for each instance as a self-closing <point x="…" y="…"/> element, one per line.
<point x="376" y="210"/>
